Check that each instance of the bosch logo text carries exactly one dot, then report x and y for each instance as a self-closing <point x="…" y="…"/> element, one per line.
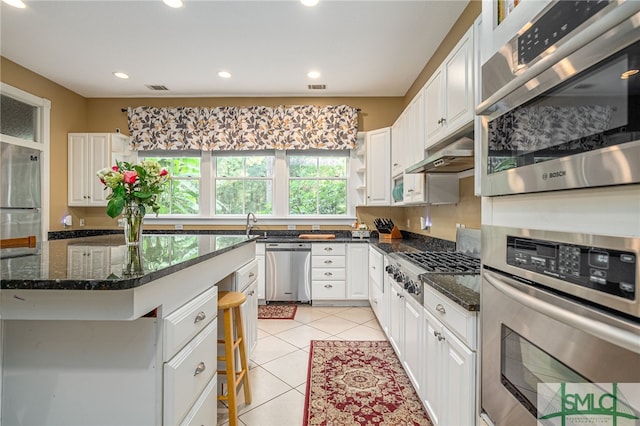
<point x="552" y="175"/>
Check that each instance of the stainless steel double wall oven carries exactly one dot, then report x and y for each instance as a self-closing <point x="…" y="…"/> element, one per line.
<point x="561" y="111"/>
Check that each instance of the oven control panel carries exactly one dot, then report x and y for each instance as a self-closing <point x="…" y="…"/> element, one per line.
<point x="605" y="270"/>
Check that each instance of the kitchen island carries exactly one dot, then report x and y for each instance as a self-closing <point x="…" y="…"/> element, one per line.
<point x="98" y="333"/>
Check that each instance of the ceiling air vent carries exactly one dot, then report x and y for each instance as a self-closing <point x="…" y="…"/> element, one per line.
<point x="317" y="86"/>
<point x="157" y="87"/>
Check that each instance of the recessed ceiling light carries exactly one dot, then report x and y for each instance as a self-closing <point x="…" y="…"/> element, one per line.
<point x="309" y="3"/>
<point x="15" y="3"/>
<point x="173" y="3"/>
<point x="224" y="74"/>
<point x="121" y="75"/>
<point x="313" y="74"/>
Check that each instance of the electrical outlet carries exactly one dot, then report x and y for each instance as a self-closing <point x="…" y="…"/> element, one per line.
<point x="81" y="222"/>
<point x="121" y="223"/>
<point x="315" y="227"/>
<point x="408" y="223"/>
<point x="291" y="227"/>
<point x="178" y="226"/>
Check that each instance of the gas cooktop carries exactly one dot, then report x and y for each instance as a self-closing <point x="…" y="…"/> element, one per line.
<point x="444" y="262"/>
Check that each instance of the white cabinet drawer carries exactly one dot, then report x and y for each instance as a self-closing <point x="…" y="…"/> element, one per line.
<point x="328" y="261"/>
<point x="460" y="321"/>
<point x="205" y="411"/>
<point x="328" y="290"/>
<point x="328" y="249"/>
<point x="187" y="374"/>
<point x="184" y="323"/>
<point x="331" y="274"/>
<point x="246" y="274"/>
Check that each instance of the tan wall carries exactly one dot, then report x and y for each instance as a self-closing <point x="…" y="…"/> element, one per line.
<point x="443" y="217"/>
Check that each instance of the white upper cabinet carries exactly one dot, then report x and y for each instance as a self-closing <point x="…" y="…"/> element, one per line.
<point x="397" y="146"/>
<point x="87" y="154"/>
<point x="414" y="148"/>
<point x="449" y="105"/>
<point x="378" y="167"/>
<point x="434" y="111"/>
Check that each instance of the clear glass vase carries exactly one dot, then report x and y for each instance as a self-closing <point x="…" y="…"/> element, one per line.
<point x="133" y="262"/>
<point x="133" y="219"/>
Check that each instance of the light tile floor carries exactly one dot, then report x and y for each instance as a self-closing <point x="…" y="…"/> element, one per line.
<point x="278" y="367"/>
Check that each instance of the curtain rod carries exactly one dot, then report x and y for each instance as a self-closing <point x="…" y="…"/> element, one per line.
<point x="125" y="109"/>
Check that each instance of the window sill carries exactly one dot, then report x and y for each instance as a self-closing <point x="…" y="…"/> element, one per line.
<point x="242" y="220"/>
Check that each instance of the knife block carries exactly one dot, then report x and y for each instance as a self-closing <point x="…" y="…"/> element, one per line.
<point x="395" y="234"/>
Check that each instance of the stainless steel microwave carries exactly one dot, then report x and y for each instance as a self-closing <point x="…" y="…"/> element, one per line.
<point x="561" y="101"/>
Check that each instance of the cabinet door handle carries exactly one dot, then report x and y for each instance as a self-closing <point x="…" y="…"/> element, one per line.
<point x="252" y="292"/>
<point x="251" y="275"/>
<point x="328" y="286"/>
<point x="328" y="274"/>
<point x="328" y="249"/>
<point x="328" y="261"/>
<point x="438" y="335"/>
<point x="440" y="309"/>
<point x="373" y="267"/>
<point x="200" y="317"/>
<point x="410" y="190"/>
<point x="444" y="120"/>
<point x="200" y="368"/>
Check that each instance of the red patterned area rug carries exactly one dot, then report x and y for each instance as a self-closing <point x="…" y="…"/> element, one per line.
<point x="359" y="383"/>
<point x="277" y="312"/>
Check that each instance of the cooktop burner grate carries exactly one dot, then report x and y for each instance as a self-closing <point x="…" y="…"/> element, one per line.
<point x="444" y="262"/>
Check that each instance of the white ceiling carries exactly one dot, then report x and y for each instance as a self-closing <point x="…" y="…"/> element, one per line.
<point x="362" y="48"/>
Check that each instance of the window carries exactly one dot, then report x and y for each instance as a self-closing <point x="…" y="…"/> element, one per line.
<point x="275" y="184"/>
<point x="183" y="190"/>
<point x="244" y="184"/>
<point x="318" y="184"/>
<point x="19" y="119"/>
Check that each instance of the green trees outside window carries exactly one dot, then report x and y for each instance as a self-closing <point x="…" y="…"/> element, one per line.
<point x="317" y="185"/>
<point x="183" y="190"/>
<point x="244" y="184"/>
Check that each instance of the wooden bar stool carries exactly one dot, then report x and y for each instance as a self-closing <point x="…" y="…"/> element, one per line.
<point x="229" y="302"/>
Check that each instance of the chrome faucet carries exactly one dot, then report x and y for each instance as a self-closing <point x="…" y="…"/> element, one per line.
<point x="249" y="225"/>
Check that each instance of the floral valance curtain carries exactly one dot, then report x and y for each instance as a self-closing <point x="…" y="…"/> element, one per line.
<point x="243" y="128"/>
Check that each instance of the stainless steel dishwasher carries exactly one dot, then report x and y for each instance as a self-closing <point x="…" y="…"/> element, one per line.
<point x="288" y="272"/>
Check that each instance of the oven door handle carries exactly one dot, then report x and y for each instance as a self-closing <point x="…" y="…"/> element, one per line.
<point x="611" y="334"/>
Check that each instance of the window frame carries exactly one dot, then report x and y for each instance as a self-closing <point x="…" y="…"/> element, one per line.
<point x="244" y="154"/>
<point x="280" y="213"/>
<point x="317" y="154"/>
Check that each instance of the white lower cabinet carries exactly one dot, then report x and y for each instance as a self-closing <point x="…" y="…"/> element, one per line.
<point x="357" y="266"/>
<point x="249" y="311"/>
<point x="260" y="257"/>
<point x="449" y="377"/>
<point x="246" y="282"/>
<point x="396" y="319"/>
<point x="376" y="285"/>
<point x="413" y="342"/>
<point x="188" y="373"/>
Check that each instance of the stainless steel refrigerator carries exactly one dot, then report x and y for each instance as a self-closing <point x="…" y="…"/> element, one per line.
<point x="20" y="195"/>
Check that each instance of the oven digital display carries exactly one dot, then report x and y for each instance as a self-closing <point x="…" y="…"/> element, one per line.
<point x="603" y="270"/>
<point x="599" y="259"/>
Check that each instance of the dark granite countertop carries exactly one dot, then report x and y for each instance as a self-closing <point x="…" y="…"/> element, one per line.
<point x="106" y="263"/>
<point x="462" y="289"/>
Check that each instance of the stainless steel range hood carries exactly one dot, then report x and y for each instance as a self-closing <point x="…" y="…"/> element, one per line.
<point x="453" y="158"/>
